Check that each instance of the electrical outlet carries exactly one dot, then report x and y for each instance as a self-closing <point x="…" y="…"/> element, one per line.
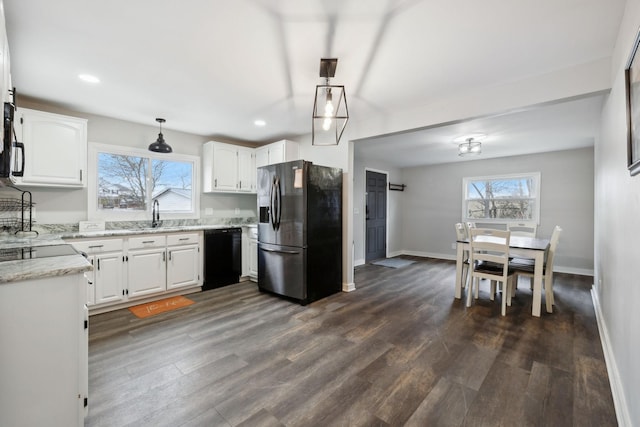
<point x="208" y="211"/>
<point x="453" y="245"/>
<point x="237" y="211"/>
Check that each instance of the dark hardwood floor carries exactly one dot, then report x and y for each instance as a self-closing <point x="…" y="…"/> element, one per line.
<point x="400" y="350"/>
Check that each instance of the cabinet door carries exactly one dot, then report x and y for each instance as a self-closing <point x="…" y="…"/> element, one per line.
<point x="225" y="167"/>
<point x="55" y="149"/>
<point x="262" y="156"/>
<point x="253" y="259"/>
<point x="91" y="282"/>
<point x="147" y="272"/>
<point x="246" y="170"/>
<point x="183" y="266"/>
<point x="276" y="153"/>
<point x="108" y="276"/>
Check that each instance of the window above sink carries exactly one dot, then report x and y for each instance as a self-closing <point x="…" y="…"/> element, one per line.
<point x="123" y="183"/>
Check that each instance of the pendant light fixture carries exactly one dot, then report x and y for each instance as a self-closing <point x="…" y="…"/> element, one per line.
<point x="469" y="147"/>
<point x="330" y="112"/>
<point x="159" y="146"/>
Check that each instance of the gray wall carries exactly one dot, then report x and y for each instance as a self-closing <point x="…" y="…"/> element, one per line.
<point x="433" y="203"/>
<point x="70" y="206"/>
<point x="617" y="209"/>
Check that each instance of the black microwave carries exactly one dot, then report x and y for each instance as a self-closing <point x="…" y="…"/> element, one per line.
<point x="10" y="146"/>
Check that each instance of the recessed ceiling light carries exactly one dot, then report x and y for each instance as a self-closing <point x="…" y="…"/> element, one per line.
<point x="260" y="123"/>
<point x="88" y="78"/>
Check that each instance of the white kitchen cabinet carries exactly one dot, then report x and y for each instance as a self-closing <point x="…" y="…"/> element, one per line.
<point x="227" y="167"/>
<point x="55" y="149"/>
<point x="139" y="268"/>
<point x="106" y="281"/>
<point x="43" y="374"/>
<point x="277" y="152"/>
<point x="183" y="265"/>
<point x="253" y="253"/>
<point x="146" y="265"/>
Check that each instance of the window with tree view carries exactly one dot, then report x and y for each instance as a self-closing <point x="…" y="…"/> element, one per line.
<point x="129" y="183"/>
<point x="502" y="198"/>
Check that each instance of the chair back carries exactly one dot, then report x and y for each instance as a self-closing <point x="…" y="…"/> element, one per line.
<point x="553" y="245"/>
<point x="522" y="229"/>
<point x="489" y="253"/>
<point x="461" y="232"/>
<point x="468" y="226"/>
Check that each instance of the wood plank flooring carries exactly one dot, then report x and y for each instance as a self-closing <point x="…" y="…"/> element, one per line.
<point x="400" y="350"/>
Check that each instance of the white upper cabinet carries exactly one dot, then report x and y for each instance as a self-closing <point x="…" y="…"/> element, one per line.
<point x="277" y="152"/>
<point x="55" y="149"/>
<point x="227" y="167"/>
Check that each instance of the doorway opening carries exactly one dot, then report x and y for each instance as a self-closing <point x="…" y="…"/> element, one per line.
<point x="376" y="215"/>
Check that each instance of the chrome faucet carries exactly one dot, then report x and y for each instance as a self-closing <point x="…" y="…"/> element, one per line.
<point x="155" y="214"/>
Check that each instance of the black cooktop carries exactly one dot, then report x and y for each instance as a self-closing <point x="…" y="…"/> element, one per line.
<point x="32" y="252"/>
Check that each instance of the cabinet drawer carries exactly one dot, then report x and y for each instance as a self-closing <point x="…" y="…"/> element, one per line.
<point x="98" y="246"/>
<point x="148" y="241"/>
<point x="182" y="239"/>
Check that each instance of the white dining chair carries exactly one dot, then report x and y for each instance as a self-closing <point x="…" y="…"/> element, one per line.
<point x="525" y="267"/>
<point x="489" y="259"/>
<point x="525" y="229"/>
<point x="461" y="234"/>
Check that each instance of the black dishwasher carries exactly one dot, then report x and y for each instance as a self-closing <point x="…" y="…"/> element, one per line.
<point x="222" y="257"/>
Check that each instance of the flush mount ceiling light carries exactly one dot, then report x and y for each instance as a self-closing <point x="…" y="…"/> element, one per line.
<point x="160" y="146"/>
<point x="470" y="147"/>
<point x="330" y="112"/>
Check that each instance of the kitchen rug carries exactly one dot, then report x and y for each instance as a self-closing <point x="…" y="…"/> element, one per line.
<point x="393" y="262"/>
<point x="161" y="306"/>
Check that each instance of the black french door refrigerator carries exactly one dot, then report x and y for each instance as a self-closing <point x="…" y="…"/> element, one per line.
<point x="299" y="230"/>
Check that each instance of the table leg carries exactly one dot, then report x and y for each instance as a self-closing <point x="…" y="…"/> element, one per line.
<point x="458" y="292"/>
<point x="537" y="284"/>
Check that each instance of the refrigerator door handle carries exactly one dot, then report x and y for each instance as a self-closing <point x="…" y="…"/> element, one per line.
<point x="272" y="217"/>
<point x="279" y="200"/>
<point x="280" y="252"/>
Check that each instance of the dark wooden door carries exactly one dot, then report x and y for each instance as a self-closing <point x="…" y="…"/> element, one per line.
<point x="376" y="216"/>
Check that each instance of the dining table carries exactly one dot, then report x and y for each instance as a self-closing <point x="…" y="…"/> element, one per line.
<point x="522" y="247"/>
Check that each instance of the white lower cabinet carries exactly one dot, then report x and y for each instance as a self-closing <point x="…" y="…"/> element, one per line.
<point x="43" y="374"/>
<point x="253" y="253"/>
<point x="184" y="266"/>
<point x="140" y="267"/>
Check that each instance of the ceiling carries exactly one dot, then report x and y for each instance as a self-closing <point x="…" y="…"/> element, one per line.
<point x="213" y="67"/>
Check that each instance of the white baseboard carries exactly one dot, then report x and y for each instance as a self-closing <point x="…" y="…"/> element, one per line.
<point x="358" y="262"/>
<point x="348" y="287"/>
<point x="617" y="390"/>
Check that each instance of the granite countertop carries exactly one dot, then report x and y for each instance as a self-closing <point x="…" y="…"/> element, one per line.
<point x="18" y="270"/>
<point x="133" y="231"/>
<point x="37" y="268"/>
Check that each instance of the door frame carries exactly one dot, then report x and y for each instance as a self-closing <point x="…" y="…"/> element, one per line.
<point x="364" y="209"/>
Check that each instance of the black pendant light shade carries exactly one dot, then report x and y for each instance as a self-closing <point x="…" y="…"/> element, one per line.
<point x="160" y="146"/>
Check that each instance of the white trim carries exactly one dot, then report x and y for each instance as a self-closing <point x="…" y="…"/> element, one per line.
<point x="617" y="390"/>
<point x="538" y="195"/>
<point x="348" y="287"/>
<point x="386" y="227"/>
<point x="358" y="262"/>
<point x="95" y="214"/>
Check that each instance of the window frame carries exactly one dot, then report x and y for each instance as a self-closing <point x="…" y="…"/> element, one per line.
<point x="527" y="175"/>
<point x="138" y="215"/>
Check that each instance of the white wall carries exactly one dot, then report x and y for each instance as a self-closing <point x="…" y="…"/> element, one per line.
<point x="433" y="203"/>
<point x="617" y="225"/>
<point x="70" y="206"/>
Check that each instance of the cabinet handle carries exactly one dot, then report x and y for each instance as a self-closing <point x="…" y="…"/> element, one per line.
<point x="148" y="241"/>
<point x="80" y="175"/>
<point x="98" y="263"/>
<point x="183" y="238"/>
<point x="95" y="246"/>
<point x="164" y="256"/>
<point x="169" y="255"/>
<point x="215" y="182"/>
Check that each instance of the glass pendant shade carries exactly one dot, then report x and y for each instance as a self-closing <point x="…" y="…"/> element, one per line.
<point x="330" y="114"/>
<point x="469" y="147"/>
